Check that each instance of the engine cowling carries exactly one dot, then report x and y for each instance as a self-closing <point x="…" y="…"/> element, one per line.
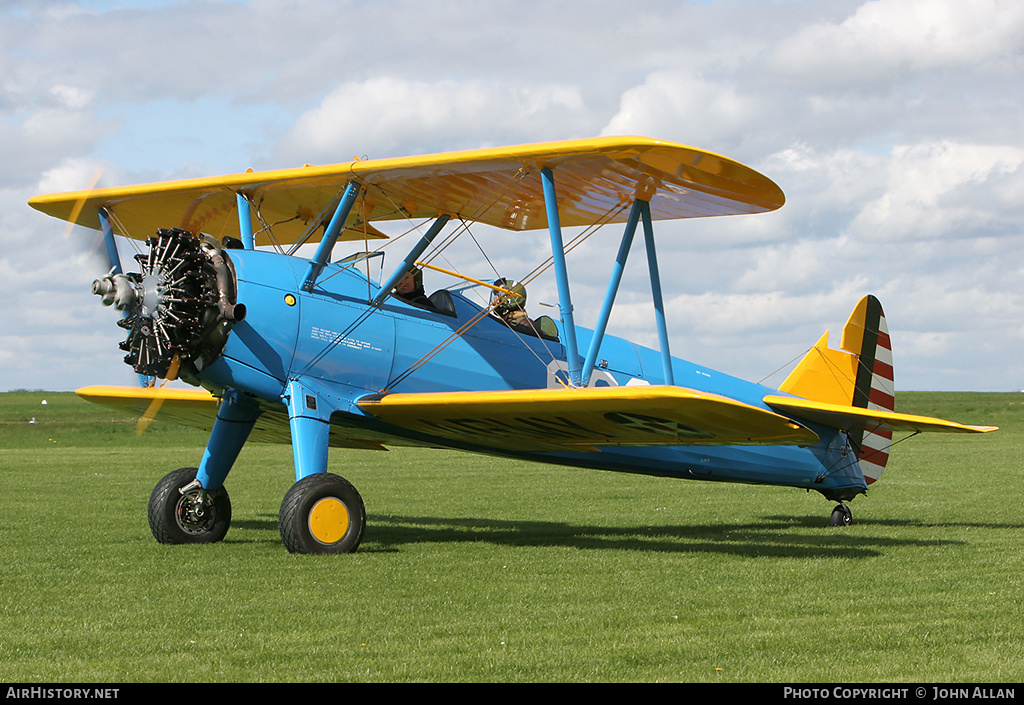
<point x="179" y="308"/>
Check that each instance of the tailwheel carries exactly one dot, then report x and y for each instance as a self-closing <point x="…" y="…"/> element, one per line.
<point x="841" y="515"/>
<point x="322" y="513"/>
<point x="180" y="511"/>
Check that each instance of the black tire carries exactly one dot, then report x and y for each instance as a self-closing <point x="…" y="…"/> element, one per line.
<point x="176" y="518"/>
<point x="842" y="516"/>
<point x="322" y="513"/>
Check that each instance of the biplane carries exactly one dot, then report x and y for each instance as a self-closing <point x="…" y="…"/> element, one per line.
<point x="244" y="292"/>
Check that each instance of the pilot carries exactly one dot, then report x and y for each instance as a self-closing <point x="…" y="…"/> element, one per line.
<point x="511" y="309"/>
<point x="410" y="289"/>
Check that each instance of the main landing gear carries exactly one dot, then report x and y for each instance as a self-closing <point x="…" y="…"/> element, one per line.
<point x="320" y="514"/>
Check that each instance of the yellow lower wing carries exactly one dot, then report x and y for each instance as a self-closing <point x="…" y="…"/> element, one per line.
<point x="198" y="408"/>
<point x="856" y="418"/>
<point x="573" y="419"/>
<point x="187" y="407"/>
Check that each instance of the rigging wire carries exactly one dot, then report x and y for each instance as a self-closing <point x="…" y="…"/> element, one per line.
<point x="608" y="216"/>
<point x="783" y="366"/>
<point x="438" y="252"/>
<point x="336" y="340"/>
<point x="837" y="464"/>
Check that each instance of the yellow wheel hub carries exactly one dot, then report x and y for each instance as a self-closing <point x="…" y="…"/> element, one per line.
<point x="328" y="520"/>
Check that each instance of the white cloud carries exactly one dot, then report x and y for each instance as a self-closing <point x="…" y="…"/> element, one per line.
<point x="387" y="114"/>
<point x="52" y="329"/>
<point x="72" y="97"/>
<point x="886" y="38"/>
<point x="925" y="186"/>
<point x="42" y="139"/>
<point x="677" y="102"/>
<point x="70" y="175"/>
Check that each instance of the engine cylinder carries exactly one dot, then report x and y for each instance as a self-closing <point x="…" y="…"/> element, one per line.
<point x="179" y="308"/>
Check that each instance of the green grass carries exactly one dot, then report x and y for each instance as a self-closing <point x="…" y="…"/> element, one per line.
<point x="480" y="569"/>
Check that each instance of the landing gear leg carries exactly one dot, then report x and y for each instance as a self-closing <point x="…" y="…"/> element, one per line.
<point x="322" y="512"/>
<point x="190" y="505"/>
<point x="841" y="515"/>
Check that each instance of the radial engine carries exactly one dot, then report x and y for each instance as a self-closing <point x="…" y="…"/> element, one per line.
<point x="179" y="309"/>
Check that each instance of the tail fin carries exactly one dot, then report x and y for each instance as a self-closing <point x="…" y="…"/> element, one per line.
<point x="867" y="333"/>
<point x="859" y="374"/>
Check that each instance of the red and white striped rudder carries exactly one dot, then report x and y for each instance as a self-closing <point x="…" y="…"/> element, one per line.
<point x="867" y="335"/>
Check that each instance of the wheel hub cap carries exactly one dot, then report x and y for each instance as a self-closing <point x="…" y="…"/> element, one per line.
<point x="328" y="520"/>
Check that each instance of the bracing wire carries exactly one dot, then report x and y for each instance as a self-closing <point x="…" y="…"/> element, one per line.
<point x="334" y="342"/>
<point x="840" y="464"/>
<point x="437" y="252"/>
<point x="784" y="366"/>
<point x="608" y="216"/>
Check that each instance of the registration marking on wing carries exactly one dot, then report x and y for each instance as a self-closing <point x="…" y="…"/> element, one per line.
<point x="557" y="419"/>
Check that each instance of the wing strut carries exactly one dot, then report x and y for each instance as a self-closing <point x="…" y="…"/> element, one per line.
<point x="641" y="211"/>
<point x="108" y="238"/>
<point x="323" y="252"/>
<point x="659" y="303"/>
<point x="410" y="258"/>
<point x="561" y="275"/>
<point x="613" y="289"/>
<point x="245" y="221"/>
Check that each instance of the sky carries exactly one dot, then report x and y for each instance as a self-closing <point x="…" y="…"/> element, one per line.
<point x="895" y="128"/>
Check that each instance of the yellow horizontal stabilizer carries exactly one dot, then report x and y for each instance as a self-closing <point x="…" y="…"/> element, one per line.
<point x="596" y="179"/>
<point x="856" y="418"/>
<point x="574" y="419"/>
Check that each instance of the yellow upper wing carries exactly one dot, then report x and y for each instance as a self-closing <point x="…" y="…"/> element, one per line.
<point x="595" y="179"/>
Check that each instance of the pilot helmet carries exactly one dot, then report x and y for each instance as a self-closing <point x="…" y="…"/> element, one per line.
<point x="507" y="302"/>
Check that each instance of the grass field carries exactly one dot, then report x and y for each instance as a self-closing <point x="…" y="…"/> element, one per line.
<point x="481" y="569"/>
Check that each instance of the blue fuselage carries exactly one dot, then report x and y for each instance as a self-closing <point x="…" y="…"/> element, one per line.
<point x="332" y="339"/>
